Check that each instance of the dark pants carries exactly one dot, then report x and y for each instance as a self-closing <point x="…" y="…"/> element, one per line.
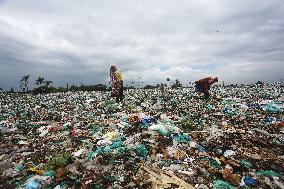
<point x="119" y="98"/>
<point x="206" y="94"/>
<point x="199" y="89"/>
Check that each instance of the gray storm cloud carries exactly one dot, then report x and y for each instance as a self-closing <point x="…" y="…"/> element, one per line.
<point x="77" y="41"/>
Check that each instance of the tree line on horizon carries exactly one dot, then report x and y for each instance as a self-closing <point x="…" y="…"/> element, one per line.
<point x="45" y="86"/>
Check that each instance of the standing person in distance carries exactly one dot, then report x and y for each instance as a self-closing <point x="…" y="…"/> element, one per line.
<point x="116" y="82"/>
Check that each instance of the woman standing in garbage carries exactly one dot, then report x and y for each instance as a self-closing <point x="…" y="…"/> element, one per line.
<point x="203" y="85"/>
<point x="116" y="83"/>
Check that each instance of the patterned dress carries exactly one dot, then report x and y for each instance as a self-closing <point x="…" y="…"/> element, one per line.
<point x="116" y="81"/>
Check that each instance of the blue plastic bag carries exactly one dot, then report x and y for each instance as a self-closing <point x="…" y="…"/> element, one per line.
<point x="249" y="181"/>
<point x="33" y="185"/>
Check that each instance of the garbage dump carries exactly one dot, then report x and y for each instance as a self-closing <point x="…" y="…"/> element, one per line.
<point x="234" y="139"/>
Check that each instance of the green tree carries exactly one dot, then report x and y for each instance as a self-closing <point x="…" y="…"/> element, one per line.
<point x="47" y="83"/>
<point x="177" y="84"/>
<point x="39" y="81"/>
<point x="24" y="83"/>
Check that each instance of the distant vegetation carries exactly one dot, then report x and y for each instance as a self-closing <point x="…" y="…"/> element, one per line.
<point x="45" y="86"/>
<point x="24" y="83"/>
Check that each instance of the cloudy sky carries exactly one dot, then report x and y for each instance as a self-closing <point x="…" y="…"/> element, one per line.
<point x="72" y="41"/>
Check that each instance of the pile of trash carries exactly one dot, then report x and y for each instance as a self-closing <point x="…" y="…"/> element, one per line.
<point x="151" y="140"/>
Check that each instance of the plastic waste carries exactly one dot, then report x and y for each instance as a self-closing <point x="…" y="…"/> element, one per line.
<point x="49" y="173"/>
<point x="103" y="143"/>
<point x="142" y="150"/>
<point x="192" y="144"/>
<point x="43" y="133"/>
<point x="183" y="138"/>
<point x="23" y="142"/>
<point x="246" y="164"/>
<point x="160" y="129"/>
<point x="78" y="153"/>
<point x="122" y="145"/>
<point x="200" y="148"/>
<point x="33" y="185"/>
<point x="249" y="181"/>
<point x="57" y="187"/>
<point x="230" y="111"/>
<point x="229" y="153"/>
<point x="268" y="173"/>
<point x="19" y="167"/>
<point x="273" y="108"/>
<point x="112" y="135"/>
<point x="188" y="172"/>
<point x="219" y="184"/>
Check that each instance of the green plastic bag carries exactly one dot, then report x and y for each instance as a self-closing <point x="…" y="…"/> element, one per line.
<point x="91" y="155"/>
<point x="2" y="117"/>
<point x="246" y="164"/>
<point x="268" y="173"/>
<point x="66" y="125"/>
<point x="49" y="173"/>
<point x="142" y="150"/>
<point x="19" y="168"/>
<point x="183" y="138"/>
<point x="160" y="129"/>
<point x="219" y="184"/>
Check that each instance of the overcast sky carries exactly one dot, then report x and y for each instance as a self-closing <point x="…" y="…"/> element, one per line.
<point x="74" y="41"/>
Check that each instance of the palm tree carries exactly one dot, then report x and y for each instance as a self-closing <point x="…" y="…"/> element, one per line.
<point x="39" y="81"/>
<point x="24" y="83"/>
<point x="47" y="83"/>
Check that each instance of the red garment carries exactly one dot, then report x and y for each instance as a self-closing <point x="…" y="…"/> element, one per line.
<point x="203" y="85"/>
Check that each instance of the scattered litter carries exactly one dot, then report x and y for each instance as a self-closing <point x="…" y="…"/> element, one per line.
<point x="152" y="139"/>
